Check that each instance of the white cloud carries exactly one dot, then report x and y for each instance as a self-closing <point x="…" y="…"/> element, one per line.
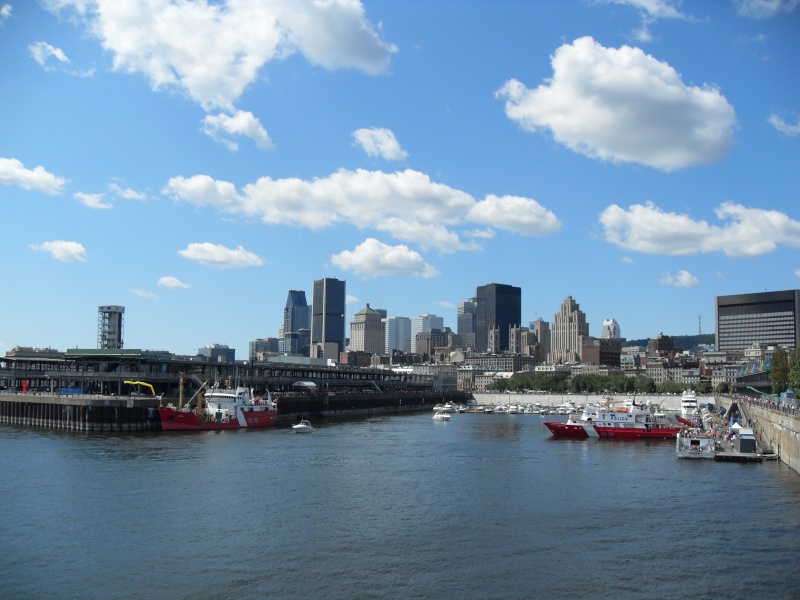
<point x="405" y="204"/>
<point x="744" y="232"/>
<point x="650" y="11"/>
<point x="764" y="9"/>
<point x="172" y="283"/>
<point x="12" y="172"/>
<point x="215" y="255"/>
<point x="446" y="305"/>
<point x="680" y="279"/>
<point x="220" y="127"/>
<point x="627" y="260"/>
<point x="61" y="250"/>
<point x="42" y="52"/>
<point x="92" y="200"/>
<point x="623" y="106"/>
<point x="784" y="127"/>
<point x="145" y="294"/>
<point x="797" y="272"/>
<point x="514" y="213"/>
<point x="351" y="299"/>
<point x="372" y="258"/>
<point x="380" y="142"/>
<point x="215" y="50"/>
<point x="5" y="13"/>
<point x="126" y="192"/>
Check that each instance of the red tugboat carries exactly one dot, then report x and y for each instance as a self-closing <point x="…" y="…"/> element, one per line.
<point x="222" y="409"/>
<point x="638" y="421"/>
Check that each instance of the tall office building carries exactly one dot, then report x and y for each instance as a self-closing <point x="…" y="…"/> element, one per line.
<point x="367" y="331"/>
<point x="467" y="322"/>
<point x="423" y="323"/>
<point x="610" y="330"/>
<point x="109" y="327"/>
<point x="764" y="317"/>
<point x="541" y="329"/>
<point x="398" y="334"/>
<point x="296" y="313"/>
<point x="499" y="306"/>
<point x="328" y="314"/>
<point x="568" y="333"/>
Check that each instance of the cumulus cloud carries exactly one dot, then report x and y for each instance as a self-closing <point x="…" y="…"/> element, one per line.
<point x="61" y="250"/>
<point x="744" y="231"/>
<point x="214" y="50"/>
<point x="680" y="279"/>
<point x="380" y="142"/>
<point x="145" y="294"/>
<point x="243" y="123"/>
<point x="13" y="172"/>
<point x="405" y="204"/>
<point x="372" y="258"/>
<point x="42" y="52"/>
<point x="764" y="9"/>
<point x="784" y="127"/>
<point x="92" y="200"/>
<point x="624" y="106"/>
<point x="215" y="255"/>
<point x="172" y="283"/>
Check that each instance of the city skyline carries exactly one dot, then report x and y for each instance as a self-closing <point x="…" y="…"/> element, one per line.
<point x="195" y="161"/>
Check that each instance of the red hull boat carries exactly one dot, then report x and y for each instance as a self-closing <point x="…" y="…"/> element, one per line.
<point x="222" y="409"/>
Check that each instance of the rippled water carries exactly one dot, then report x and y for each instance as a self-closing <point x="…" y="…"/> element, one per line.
<point x="482" y="506"/>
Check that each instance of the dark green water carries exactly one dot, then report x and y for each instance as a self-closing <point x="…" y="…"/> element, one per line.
<point x="482" y="506"/>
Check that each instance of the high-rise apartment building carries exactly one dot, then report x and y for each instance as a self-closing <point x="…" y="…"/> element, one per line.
<point x="568" y="333"/>
<point x="328" y="314"/>
<point x="499" y="306"/>
<point x="398" y="334"/>
<point x="764" y="317"/>
<point x="367" y="331"/>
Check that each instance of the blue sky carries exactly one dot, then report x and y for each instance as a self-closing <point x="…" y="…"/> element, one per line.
<point x="195" y="161"/>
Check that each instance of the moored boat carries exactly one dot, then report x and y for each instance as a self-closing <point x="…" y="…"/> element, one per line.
<point x="692" y="443"/>
<point x="221" y="409"/>
<point x="689" y="409"/>
<point x="638" y="421"/>
<point x="441" y="415"/>
<point x="577" y="426"/>
<point x="304" y="426"/>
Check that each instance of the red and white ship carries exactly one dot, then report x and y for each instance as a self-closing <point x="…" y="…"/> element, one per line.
<point x="577" y="426"/>
<point x="222" y="409"/>
<point x="636" y="421"/>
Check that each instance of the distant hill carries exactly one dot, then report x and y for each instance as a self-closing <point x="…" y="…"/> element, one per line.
<point x="685" y="342"/>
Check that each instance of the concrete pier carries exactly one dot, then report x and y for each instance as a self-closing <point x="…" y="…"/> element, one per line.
<point x="79" y="412"/>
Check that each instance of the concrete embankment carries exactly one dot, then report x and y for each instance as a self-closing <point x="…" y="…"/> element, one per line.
<point x="780" y="428"/>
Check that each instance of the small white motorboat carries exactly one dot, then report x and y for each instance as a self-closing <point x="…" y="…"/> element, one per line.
<point x="304" y="426"/>
<point x="441" y="415"/>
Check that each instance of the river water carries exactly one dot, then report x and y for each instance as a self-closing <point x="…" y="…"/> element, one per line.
<point x="482" y="506"/>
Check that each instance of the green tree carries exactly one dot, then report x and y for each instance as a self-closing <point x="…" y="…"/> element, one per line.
<point x="794" y="371"/>
<point x="779" y="371"/>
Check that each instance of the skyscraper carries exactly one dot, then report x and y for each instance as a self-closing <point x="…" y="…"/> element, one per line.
<point x="499" y="306"/>
<point x="765" y="317"/>
<point x="328" y="313"/>
<point x="610" y="330"/>
<point x="423" y="323"/>
<point x="296" y="314"/>
<point x="467" y="322"/>
<point x="367" y="331"/>
<point x="568" y="333"/>
<point x="398" y="334"/>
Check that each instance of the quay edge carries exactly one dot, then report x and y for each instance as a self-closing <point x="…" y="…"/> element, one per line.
<point x="120" y="414"/>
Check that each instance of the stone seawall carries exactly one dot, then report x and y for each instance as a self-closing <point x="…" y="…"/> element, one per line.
<point x="781" y="429"/>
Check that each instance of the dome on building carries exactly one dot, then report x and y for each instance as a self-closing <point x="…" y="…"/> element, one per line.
<point x="610" y="330"/>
